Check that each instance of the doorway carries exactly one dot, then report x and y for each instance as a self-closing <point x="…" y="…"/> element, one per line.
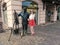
<point x="49" y="12"/>
<point x="1" y="21"/>
<point x="31" y="5"/>
<point x="58" y="14"/>
<point x="5" y="13"/>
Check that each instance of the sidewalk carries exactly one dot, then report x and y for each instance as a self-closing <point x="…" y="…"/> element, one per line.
<point x="45" y="35"/>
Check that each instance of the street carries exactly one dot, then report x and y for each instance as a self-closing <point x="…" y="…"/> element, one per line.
<point x="45" y="35"/>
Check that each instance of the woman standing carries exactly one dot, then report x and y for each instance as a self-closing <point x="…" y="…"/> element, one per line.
<point x="32" y="22"/>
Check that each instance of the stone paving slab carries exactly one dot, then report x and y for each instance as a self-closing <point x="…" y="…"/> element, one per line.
<point x="45" y="35"/>
<point x="16" y="40"/>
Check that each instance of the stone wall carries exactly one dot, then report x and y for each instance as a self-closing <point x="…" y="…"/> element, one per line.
<point x="11" y="6"/>
<point x="17" y="5"/>
<point x="5" y="26"/>
<point x="54" y="16"/>
<point x="41" y="12"/>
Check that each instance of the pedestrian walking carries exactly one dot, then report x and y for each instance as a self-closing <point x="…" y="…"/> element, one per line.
<point x="32" y="22"/>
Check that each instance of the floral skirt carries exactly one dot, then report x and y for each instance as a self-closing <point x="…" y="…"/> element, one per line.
<point x="31" y="23"/>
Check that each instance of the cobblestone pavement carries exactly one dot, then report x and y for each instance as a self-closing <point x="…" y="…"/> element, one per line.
<point x="45" y="35"/>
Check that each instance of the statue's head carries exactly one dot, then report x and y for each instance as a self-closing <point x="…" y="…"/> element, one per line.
<point x="24" y="9"/>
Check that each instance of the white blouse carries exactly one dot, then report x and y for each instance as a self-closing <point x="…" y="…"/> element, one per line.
<point x="31" y="16"/>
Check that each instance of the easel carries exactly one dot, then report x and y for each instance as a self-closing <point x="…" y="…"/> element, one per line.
<point x="16" y="24"/>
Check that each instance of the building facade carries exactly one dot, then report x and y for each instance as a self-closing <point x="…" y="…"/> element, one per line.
<point x="41" y="9"/>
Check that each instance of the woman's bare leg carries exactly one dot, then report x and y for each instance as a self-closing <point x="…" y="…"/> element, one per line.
<point x="32" y="30"/>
